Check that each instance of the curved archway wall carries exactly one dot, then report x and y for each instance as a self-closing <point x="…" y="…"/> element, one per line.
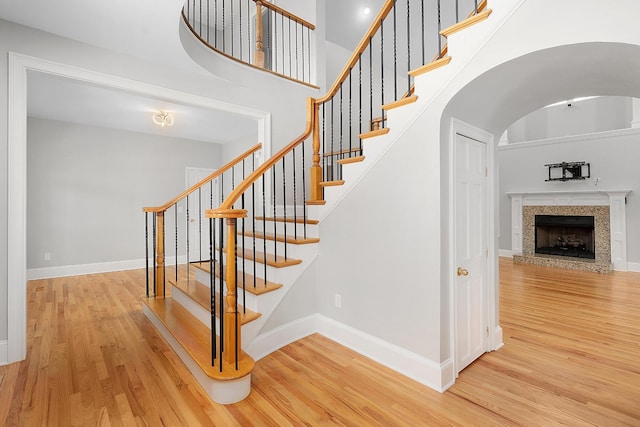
<point x="546" y="52"/>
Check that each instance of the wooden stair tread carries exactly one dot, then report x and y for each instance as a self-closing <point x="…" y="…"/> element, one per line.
<point x="202" y="295"/>
<point x="269" y="259"/>
<point x="281" y="238"/>
<point x="195" y="338"/>
<point x="351" y="160"/>
<point x="257" y="287"/>
<point x="374" y="133"/>
<point x="471" y="20"/>
<point x="316" y="202"/>
<point x="287" y="219"/>
<point x="430" y="66"/>
<point x="344" y="151"/>
<point x="332" y="183"/>
<point x="400" y="102"/>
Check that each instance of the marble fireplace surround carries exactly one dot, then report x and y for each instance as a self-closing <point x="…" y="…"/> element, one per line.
<point x="608" y="208"/>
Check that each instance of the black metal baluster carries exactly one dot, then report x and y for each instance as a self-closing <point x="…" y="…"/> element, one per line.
<point x="408" y="47"/>
<point x="274" y="60"/>
<point x="439" y="29"/>
<point x="295" y="197"/>
<point x="200" y="13"/>
<point x="290" y="68"/>
<point x="200" y="223"/>
<point x="309" y="51"/>
<point x="350" y="125"/>
<point x="284" y="208"/>
<point x="175" y="221"/>
<point x="324" y="132"/>
<point x="244" y="271"/>
<point x="215" y="18"/>
<point x="422" y="26"/>
<point x="187" y="232"/>
<point x="212" y="289"/>
<point x="475" y="3"/>
<point x="221" y="288"/>
<point x="340" y="153"/>
<point x="248" y="32"/>
<point x="370" y="85"/>
<point x="360" y="102"/>
<point x="395" y="54"/>
<point x="273" y="203"/>
<point x="457" y="11"/>
<point x="283" y="41"/>
<point x="303" y="43"/>
<point x="146" y="250"/>
<point x="232" y="19"/>
<point x="240" y="24"/>
<point x="382" y="73"/>
<point x="304" y="196"/>
<point x="253" y="216"/>
<point x="164" y="255"/>
<point x="332" y="152"/>
<point x="155" y="249"/>
<point x="224" y="41"/>
<point x="264" y="225"/>
<point x="297" y="60"/>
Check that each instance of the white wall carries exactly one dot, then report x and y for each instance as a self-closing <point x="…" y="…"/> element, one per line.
<point x="613" y="158"/>
<point x="286" y="106"/>
<point x="597" y="114"/>
<point x="87" y="186"/>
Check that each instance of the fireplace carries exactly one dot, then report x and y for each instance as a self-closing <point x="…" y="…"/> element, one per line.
<point x="565" y="235"/>
<point x="609" y="239"/>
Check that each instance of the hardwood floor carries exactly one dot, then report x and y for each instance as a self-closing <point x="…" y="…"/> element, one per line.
<point x="571" y="357"/>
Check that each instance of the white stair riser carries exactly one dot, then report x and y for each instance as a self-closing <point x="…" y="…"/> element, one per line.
<point x="296" y="251"/>
<point x="312" y="229"/>
<point x="204" y="315"/>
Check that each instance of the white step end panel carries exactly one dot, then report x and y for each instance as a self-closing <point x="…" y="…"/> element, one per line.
<point x="223" y="392"/>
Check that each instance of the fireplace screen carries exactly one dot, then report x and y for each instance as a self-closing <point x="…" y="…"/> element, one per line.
<point x="571" y="236"/>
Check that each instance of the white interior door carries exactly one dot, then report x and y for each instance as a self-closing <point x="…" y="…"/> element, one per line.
<point x="198" y="224"/>
<point x="471" y="250"/>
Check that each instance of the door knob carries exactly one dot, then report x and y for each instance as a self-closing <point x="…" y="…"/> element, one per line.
<point x="462" y="272"/>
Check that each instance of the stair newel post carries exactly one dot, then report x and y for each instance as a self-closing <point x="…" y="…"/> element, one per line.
<point x="259" y="54"/>
<point x="316" y="169"/>
<point x="159" y="285"/>
<point x="231" y="338"/>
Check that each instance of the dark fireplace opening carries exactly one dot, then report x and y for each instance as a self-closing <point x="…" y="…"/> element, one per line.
<point x="571" y="236"/>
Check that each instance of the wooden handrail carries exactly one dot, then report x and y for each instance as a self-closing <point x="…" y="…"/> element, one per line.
<point x="214" y="175"/>
<point x="287" y="14"/>
<point x="233" y="197"/>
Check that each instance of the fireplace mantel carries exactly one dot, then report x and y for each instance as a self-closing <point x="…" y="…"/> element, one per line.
<point x="615" y="199"/>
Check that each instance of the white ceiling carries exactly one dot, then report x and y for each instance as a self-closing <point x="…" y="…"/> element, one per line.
<point x="67" y="100"/>
<point x="346" y="24"/>
<point x="146" y="29"/>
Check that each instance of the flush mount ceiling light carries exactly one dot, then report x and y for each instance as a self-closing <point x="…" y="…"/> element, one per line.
<point x="163" y="119"/>
<point x="366" y="11"/>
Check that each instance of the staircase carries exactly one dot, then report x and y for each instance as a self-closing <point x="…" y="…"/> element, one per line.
<point x="264" y="233"/>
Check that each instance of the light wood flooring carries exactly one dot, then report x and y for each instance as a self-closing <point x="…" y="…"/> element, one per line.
<point x="571" y="357"/>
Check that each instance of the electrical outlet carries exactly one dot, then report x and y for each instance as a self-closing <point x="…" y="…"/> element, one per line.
<point x="47" y="256"/>
<point x="338" y="301"/>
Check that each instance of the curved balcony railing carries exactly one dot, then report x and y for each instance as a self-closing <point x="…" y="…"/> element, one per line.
<point x="256" y="33"/>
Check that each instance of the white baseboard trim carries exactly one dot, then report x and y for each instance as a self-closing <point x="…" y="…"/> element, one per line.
<point x="4" y="352"/>
<point x="99" y="267"/>
<point x="633" y="266"/>
<point x="507" y="253"/>
<point x="275" y="339"/>
<point x="414" y="366"/>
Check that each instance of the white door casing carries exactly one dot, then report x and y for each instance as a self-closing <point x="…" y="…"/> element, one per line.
<point x="471" y="250"/>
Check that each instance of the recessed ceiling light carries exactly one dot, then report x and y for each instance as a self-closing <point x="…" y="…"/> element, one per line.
<point x="366" y="11"/>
